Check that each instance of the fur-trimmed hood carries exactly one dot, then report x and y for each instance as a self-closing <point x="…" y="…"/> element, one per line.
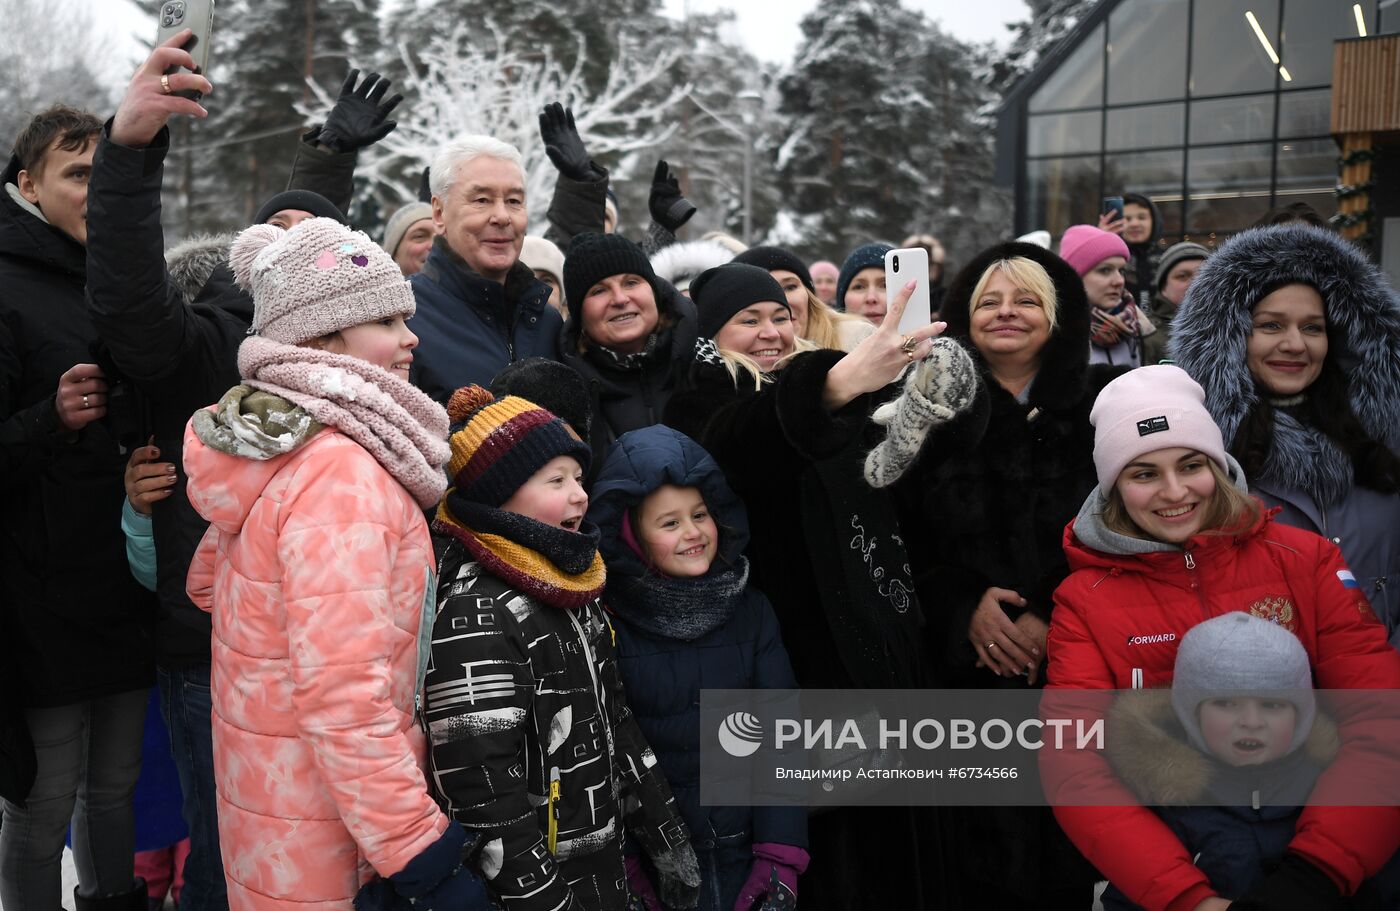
<point x="680" y="263"/>
<point x="192" y="261"/>
<point x="1064" y="361"/>
<point x="1147" y="747"/>
<point x="1212" y="327"/>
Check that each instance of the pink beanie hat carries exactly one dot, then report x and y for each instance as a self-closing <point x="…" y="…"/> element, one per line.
<point x="318" y="278"/>
<point x="1147" y="409"/>
<point x="824" y="267"/>
<point x="1085" y="246"/>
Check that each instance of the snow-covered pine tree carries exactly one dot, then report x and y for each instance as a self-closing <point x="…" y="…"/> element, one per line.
<point x="41" y="65"/>
<point x="469" y="81"/>
<point x="1049" y="22"/>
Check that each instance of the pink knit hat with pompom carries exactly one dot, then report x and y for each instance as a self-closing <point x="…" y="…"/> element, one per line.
<point x="318" y="278"/>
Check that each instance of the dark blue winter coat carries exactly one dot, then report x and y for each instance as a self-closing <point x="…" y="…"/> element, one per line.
<point x="663" y="676"/>
<point x="470" y="327"/>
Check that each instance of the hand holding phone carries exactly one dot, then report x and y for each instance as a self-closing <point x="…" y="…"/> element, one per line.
<point x="147" y="105"/>
<point x="902" y="266"/>
<point x="1111" y="214"/>
<point x="198" y="16"/>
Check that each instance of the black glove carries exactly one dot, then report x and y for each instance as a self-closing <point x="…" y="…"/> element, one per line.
<point x="1295" y="885"/>
<point x="435" y="880"/>
<point x="563" y="144"/>
<point x="669" y="208"/>
<point x="358" y="118"/>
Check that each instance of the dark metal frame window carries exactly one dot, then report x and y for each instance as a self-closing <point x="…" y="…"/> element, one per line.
<point x="1286" y="104"/>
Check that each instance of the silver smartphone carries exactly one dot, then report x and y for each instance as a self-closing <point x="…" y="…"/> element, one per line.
<point x="176" y="15"/>
<point x="901" y="266"/>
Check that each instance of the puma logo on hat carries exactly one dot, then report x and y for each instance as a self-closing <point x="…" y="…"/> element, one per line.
<point x="1153" y="425"/>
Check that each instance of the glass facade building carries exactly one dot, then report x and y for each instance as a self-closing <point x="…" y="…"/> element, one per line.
<point x="1217" y="110"/>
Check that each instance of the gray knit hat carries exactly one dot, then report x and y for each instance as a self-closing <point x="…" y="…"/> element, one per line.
<point x="1239" y="654"/>
<point x="1173" y="255"/>
<point x="401" y="221"/>
<point x="318" y="278"/>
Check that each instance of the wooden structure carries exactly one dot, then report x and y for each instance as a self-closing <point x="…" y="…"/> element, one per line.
<point x="1365" y="115"/>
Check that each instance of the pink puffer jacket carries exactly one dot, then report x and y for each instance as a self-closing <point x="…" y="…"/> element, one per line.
<point x="316" y="567"/>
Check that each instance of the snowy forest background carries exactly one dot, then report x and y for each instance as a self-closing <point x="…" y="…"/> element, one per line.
<point x="880" y="124"/>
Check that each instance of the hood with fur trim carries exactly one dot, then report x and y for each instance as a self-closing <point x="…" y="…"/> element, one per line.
<point x="1064" y="361"/>
<point x="681" y="263"/>
<point x="192" y="261"/>
<point x="1211" y="331"/>
<point x="1148" y="749"/>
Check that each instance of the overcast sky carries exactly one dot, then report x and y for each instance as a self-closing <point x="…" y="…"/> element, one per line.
<point x="768" y="27"/>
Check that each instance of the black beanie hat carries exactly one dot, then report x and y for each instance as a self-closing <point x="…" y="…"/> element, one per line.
<point x="772" y="258"/>
<point x="304" y="200"/>
<point x="551" y="385"/>
<point x="723" y="291"/>
<point x="594" y="257"/>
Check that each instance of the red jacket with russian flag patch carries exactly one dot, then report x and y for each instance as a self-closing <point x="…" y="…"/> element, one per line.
<point x="1117" y="623"/>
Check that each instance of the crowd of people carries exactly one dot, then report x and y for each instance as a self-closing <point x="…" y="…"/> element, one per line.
<point x="411" y="558"/>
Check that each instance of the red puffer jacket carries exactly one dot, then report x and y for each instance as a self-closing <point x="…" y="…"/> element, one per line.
<point x="1117" y="622"/>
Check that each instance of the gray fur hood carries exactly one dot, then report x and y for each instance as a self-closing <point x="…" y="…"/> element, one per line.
<point x="1147" y="747"/>
<point x="1212" y="327"/>
<point x="193" y="260"/>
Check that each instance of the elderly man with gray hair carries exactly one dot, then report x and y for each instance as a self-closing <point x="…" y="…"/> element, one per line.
<point x="479" y="307"/>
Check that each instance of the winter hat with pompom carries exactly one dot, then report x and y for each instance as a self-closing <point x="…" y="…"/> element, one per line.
<point x="497" y="444"/>
<point x="316" y="279"/>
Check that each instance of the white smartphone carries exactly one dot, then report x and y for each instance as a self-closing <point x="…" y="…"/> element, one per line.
<point x="198" y="15"/>
<point x="902" y="266"/>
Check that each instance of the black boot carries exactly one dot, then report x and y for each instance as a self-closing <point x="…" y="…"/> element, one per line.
<point x="131" y="900"/>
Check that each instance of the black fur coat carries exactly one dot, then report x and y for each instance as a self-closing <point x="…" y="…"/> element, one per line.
<point x="988" y="498"/>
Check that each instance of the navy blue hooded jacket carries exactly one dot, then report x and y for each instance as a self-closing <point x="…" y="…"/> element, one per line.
<point x="663" y="676"/>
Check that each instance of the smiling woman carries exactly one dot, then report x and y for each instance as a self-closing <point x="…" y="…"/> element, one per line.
<point x="1296" y="337"/>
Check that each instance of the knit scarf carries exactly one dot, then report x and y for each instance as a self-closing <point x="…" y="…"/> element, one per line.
<point x="607" y="357"/>
<point x="683" y="609"/>
<point x="1108" y="327"/>
<point x="402" y="428"/>
<point x="560" y="568"/>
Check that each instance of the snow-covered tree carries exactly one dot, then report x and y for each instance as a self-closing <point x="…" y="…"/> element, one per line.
<point x="1049" y="23"/>
<point x="889" y="133"/>
<point x="41" y="65"/>
<point x="479" y="85"/>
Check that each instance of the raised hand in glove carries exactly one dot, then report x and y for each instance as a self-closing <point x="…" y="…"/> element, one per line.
<point x="772" y="883"/>
<point x="359" y="117"/>
<point x="1295" y="885"/>
<point x="669" y="208"/>
<point x="435" y="880"/>
<point x="563" y="144"/>
<point x="935" y="391"/>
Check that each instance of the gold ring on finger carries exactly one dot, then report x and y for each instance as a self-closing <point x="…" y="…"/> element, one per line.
<point x="991" y="645"/>
<point x="165" y="83"/>
<point x="85" y="401"/>
<point x="908" y="345"/>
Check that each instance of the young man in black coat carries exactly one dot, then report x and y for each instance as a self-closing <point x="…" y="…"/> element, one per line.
<point x="73" y="619"/>
<point x="174" y="336"/>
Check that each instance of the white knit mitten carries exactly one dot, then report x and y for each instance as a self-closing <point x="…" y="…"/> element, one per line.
<point x="938" y="388"/>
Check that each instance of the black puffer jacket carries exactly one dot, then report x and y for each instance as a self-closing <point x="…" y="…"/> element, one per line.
<point x="75" y="622"/>
<point x="518" y="693"/>
<point x="174" y="332"/>
<point x="631" y="393"/>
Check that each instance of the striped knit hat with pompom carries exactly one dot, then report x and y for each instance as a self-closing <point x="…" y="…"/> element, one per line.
<point x="497" y="444"/>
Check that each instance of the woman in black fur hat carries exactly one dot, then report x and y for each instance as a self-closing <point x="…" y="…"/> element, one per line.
<point x="1295" y="337"/>
<point x="984" y="500"/>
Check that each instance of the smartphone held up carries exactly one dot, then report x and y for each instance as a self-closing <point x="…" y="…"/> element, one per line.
<point x="197" y="15"/>
<point x="901" y="267"/>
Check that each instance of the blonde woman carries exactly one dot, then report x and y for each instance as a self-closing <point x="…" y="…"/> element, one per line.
<point x="812" y="319"/>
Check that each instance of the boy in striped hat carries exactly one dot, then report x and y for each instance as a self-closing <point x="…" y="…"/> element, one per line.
<point x="532" y="741"/>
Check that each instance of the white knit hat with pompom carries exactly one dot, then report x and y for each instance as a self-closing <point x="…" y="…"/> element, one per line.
<point x="318" y="278"/>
